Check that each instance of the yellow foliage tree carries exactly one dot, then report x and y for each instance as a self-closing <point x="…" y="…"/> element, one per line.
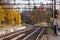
<point x="17" y="16"/>
<point x="13" y="16"/>
<point x="2" y="14"/>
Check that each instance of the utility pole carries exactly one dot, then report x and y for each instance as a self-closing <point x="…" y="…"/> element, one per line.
<point x="34" y="3"/>
<point x="55" y="18"/>
<point x="29" y="4"/>
<point x="42" y="12"/>
<point x="54" y="6"/>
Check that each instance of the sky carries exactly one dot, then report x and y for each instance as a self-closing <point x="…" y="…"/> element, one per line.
<point x="32" y="2"/>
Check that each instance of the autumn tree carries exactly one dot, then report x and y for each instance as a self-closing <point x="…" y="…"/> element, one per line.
<point x="2" y="14"/>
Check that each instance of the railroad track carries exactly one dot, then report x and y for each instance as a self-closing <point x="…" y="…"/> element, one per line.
<point x="30" y="34"/>
<point x="35" y="35"/>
